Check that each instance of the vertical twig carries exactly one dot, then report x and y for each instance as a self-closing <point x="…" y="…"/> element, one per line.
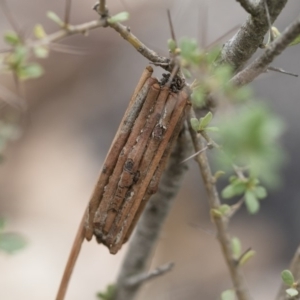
<point x="220" y="223"/>
<point x="10" y="18"/>
<point x="102" y="8"/>
<point x="67" y="11"/>
<point x="71" y="260"/>
<point x="269" y="20"/>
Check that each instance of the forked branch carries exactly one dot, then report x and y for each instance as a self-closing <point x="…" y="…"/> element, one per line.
<point x="273" y="50"/>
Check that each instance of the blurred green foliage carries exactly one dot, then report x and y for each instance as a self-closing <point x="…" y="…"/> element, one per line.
<point x="10" y="242"/>
<point x="249" y="138"/>
<point x="108" y="294"/>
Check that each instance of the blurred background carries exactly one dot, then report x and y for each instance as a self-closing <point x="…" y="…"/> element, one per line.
<point x="48" y="174"/>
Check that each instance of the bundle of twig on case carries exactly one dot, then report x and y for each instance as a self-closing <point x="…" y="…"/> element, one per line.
<point x="136" y="159"/>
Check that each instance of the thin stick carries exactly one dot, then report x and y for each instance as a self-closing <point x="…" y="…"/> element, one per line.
<point x="102" y="8"/>
<point x="10" y="18"/>
<point x="220" y="222"/>
<point x="141" y="278"/>
<point x="67" y="11"/>
<point x="279" y="70"/>
<point x="171" y="27"/>
<point x="71" y="260"/>
<point x="272" y="38"/>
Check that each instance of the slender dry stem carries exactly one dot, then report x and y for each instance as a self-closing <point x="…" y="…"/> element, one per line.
<point x="142" y="278"/>
<point x="75" y="250"/>
<point x="220" y="222"/>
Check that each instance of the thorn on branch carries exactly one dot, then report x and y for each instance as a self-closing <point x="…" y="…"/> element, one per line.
<point x="141" y="278"/>
<point x="279" y="70"/>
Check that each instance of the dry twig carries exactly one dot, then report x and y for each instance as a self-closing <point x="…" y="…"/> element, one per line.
<point x="220" y="222"/>
<point x="144" y="277"/>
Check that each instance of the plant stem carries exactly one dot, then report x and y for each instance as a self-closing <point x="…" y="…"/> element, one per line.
<point x="220" y="222"/>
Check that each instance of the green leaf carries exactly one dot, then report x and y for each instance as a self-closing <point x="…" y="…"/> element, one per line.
<point x="18" y="57"/>
<point x="11" y="242"/>
<point x="39" y="31"/>
<point x="212" y="129"/>
<point x="251" y="202"/>
<point x="120" y="17"/>
<point x="236" y="188"/>
<point x="108" y="294"/>
<point x="292" y="292"/>
<point x="246" y="257"/>
<point x="218" y="174"/>
<point x="30" y="71"/>
<point x="41" y="52"/>
<point x="194" y="124"/>
<point x="224" y="209"/>
<point x="171" y="45"/>
<point x="296" y="41"/>
<point x="55" y="18"/>
<point x="205" y="120"/>
<point x="236" y="247"/>
<point x="216" y="213"/>
<point x="260" y="192"/>
<point x="228" y="295"/>
<point x="287" y="277"/>
<point x="198" y="96"/>
<point x="190" y="52"/>
<point x="11" y="38"/>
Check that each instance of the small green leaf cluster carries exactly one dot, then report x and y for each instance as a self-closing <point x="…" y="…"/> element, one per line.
<point x="202" y="124"/>
<point x="236" y="247"/>
<point x="288" y="278"/>
<point x="197" y="62"/>
<point x="249" y="138"/>
<point x="108" y="294"/>
<point x="222" y="211"/>
<point x="10" y="242"/>
<point x="17" y="60"/>
<point x="249" y="188"/>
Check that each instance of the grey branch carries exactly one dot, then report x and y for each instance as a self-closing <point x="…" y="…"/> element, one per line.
<point x="141" y="278"/>
<point x="249" y="6"/>
<point x="238" y="50"/>
<point x="273" y="50"/>
<point x="295" y="269"/>
<point x="220" y="222"/>
<point x="149" y="227"/>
